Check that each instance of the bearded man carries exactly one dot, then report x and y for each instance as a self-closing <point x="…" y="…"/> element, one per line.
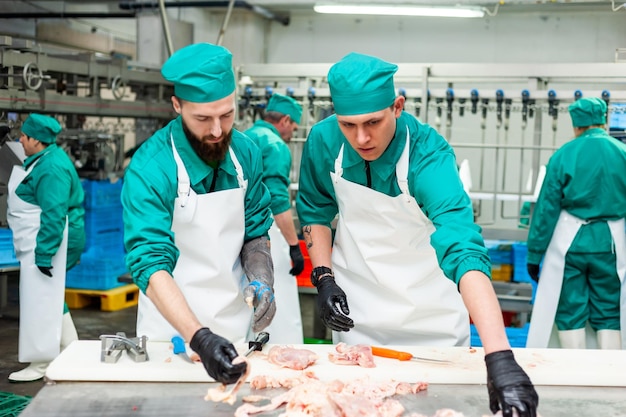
<point x="196" y="219"/>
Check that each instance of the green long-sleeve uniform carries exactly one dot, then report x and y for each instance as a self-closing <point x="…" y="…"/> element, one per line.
<point x="585" y="177"/>
<point x="433" y="181"/>
<point x="276" y="163"/>
<point x="150" y="188"/>
<point x="53" y="185"/>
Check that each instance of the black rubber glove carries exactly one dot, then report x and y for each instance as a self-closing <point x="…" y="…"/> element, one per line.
<point x="509" y="387"/>
<point x="533" y="271"/>
<point x="217" y="356"/>
<point x="46" y="270"/>
<point x="297" y="259"/>
<point x="328" y="295"/>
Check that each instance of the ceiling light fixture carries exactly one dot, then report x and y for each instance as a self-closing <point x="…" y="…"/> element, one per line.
<point x="400" y="10"/>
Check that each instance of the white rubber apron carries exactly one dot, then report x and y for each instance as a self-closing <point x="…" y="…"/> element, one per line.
<point x="383" y="260"/>
<point x="41" y="297"/>
<point x="542" y="332"/>
<point x="286" y="327"/>
<point x="209" y="232"/>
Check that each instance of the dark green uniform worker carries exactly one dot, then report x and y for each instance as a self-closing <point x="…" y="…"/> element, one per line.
<point x="582" y="206"/>
<point x="45" y="197"/>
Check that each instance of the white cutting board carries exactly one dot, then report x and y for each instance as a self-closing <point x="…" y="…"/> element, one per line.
<point x="81" y="362"/>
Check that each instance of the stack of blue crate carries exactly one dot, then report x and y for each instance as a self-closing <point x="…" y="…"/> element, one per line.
<point x="517" y="336"/>
<point x="7" y="252"/>
<point x="103" y="260"/>
<point x="520" y="272"/>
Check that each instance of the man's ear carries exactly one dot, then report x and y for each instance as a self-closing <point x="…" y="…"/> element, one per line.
<point x="177" y="104"/>
<point x="398" y="106"/>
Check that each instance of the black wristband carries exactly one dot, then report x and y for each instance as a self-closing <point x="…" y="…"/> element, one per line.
<point x="320" y="272"/>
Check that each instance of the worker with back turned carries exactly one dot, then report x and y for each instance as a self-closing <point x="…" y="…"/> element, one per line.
<point x="577" y="228"/>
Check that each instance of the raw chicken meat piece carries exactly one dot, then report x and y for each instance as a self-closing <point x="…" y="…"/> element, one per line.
<point x="311" y="397"/>
<point x="220" y="394"/>
<point x="353" y="355"/>
<point x="265" y="381"/>
<point x="292" y="358"/>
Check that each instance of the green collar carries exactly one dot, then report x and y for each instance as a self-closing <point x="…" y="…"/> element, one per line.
<point x="31" y="159"/>
<point x="266" y="125"/>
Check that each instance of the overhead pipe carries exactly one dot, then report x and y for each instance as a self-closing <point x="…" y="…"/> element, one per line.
<point x="220" y="37"/>
<point x="132" y="5"/>
<point x="66" y="15"/>
<point x="166" y="28"/>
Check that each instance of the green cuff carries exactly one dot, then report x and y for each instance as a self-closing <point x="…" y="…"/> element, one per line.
<point x="472" y="264"/>
<point x="534" y="258"/>
<point x="144" y="278"/>
<point x="43" y="260"/>
<point x="280" y="206"/>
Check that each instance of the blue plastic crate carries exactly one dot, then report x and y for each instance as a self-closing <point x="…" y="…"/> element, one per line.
<point x="500" y="251"/>
<point x="104" y="230"/>
<point x="517" y="336"/>
<point x="520" y="272"/>
<point x="97" y="271"/>
<point x="7" y="252"/>
<point x="102" y="194"/>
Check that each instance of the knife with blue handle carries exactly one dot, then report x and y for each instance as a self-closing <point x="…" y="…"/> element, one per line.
<point x="179" y="348"/>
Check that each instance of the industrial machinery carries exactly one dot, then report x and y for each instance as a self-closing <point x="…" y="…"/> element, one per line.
<point x="95" y="155"/>
<point x="504" y="121"/>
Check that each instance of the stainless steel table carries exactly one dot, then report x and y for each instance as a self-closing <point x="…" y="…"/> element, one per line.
<point x="117" y="399"/>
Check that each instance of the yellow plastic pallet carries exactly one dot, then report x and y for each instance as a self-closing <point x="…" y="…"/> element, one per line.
<point x="110" y="300"/>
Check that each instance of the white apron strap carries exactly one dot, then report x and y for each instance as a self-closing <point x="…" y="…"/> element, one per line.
<point x="618" y="231"/>
<point x="549" y="287"/>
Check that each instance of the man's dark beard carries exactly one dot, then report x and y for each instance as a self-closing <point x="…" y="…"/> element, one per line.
<point x="208" y="152"/>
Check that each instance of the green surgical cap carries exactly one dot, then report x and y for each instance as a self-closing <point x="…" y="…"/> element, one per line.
<point x="588" y="112"/>
<point x="201" y="73"/>
<point x="361" y="84"/>
<point x="285" y="105"/>
<point x="43" y="128"/>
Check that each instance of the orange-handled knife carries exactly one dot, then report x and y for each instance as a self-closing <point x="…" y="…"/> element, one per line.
<point x="402" y="356"/>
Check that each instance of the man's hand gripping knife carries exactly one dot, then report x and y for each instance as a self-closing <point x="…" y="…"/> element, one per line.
<point x="329" y="294"/>
<point x="256" y="260"/>
<point x="217" y="356"/>
<point x="509" y="387"/>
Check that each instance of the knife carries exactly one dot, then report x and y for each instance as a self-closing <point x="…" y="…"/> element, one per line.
<point x="402" y="356"/>
<point x="257" y="344"/>
<point x="179" y="348"/>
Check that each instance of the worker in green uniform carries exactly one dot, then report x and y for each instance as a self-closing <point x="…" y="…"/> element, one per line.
<point x="196" y="218"/>
<point x="271" y="134"/>
<point x="577" y="228"/>
<point x="46" y="214"/>
<point x="406" y="243"/>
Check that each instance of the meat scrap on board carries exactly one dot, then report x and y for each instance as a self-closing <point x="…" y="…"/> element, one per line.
<point x="220" y="394"/>
<point x="353" y="355"/>
<point x="292" y="358"/>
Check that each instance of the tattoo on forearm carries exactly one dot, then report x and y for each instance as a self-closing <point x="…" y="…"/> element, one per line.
<point x="308" y="240"/>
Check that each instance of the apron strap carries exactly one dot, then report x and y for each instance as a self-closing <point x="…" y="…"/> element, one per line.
<point x="242" y="183"/>
<point x="338" y="161"/>
<point x="184" y="184"/>
<point x="402" y="169"/>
